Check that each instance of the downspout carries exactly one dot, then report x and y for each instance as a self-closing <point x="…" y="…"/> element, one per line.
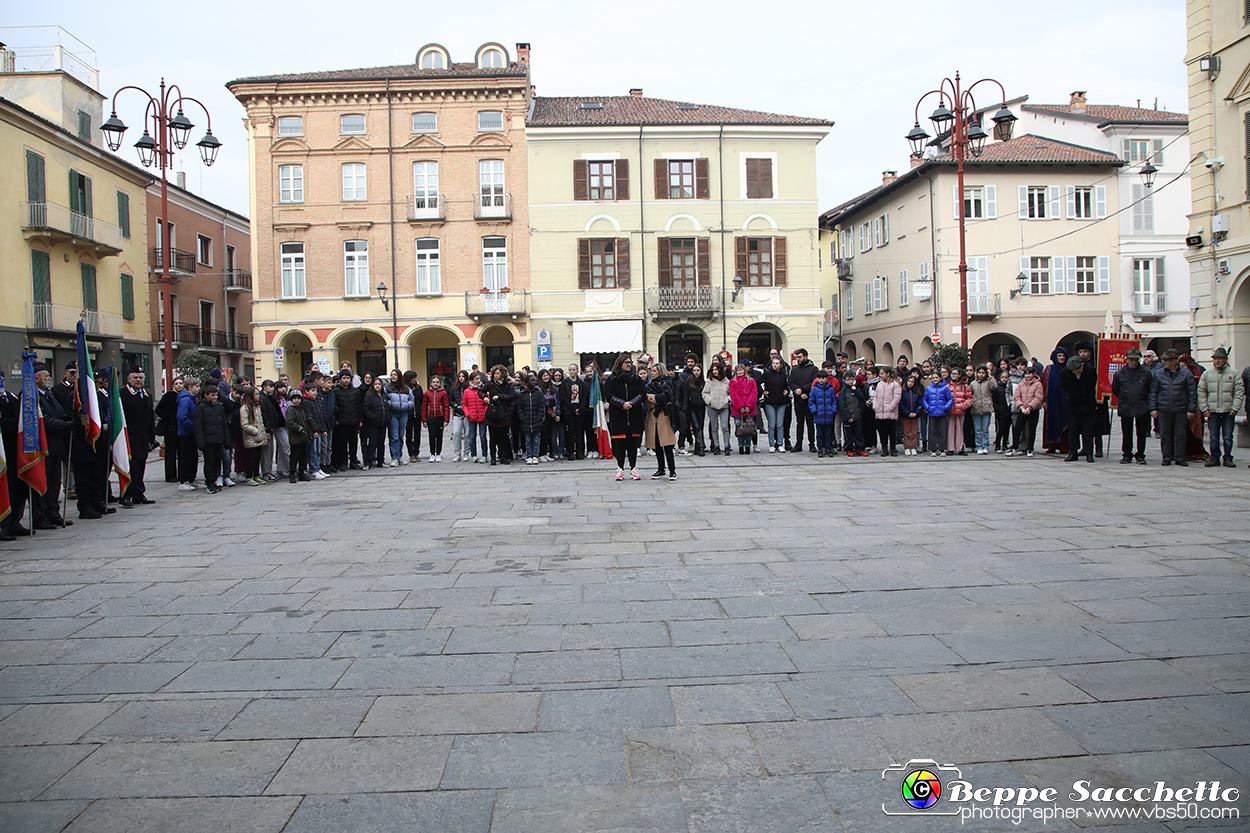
<point x="933" y="273"/>
<point x="390" y="176"/>
<point x="225" y="293"/>
<point x="720" y="156"/>
<point x="642" y="238"/>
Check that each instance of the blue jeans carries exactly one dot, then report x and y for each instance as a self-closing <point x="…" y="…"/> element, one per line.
<point x="314" y="453"/>
<point x="1221" y="425"/>
<point x="981" y="429"/>
<point x="824" y="436"/>
<point x="557" y="439"/>
<point x="776" y="426"/>
<point x="399" y="426"/>
<point x="533" y="440"/>
<point x="743" y="442"/>
<point x="476" y="430"/>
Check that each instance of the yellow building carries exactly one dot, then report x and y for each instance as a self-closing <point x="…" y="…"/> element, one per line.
<point x="411" y="177"/>
<point x="671" y="228"/>
<point x="72" y="230"/>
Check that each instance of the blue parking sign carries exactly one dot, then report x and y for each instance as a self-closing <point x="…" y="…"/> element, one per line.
<point x="544" y="352"/>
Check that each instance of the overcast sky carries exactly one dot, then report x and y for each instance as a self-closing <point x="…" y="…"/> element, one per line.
<point x="861" y="65"/>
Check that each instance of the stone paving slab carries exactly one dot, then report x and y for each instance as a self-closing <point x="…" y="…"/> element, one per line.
<point x="659" y="657"/>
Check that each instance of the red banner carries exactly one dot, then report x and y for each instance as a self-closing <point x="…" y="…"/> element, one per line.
<point x="1111" y="357"/>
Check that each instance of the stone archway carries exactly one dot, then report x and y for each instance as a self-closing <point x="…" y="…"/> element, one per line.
<point x="434" y="351"/>
<point x="681" y="339"/>
<point x="887" y="354"/>
<point x="995" y="346"/>
<point x="868" y="350"/>
<point x="497" y="348"/>
<point x="756" y="341"/>
<point x="366" y="349"/>
<point x="297" y="349"/>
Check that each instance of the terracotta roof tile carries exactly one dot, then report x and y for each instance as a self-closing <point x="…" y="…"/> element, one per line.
<point x="1030" y="148"/>
<point x="463" y="70"/>
<point x="623" y="110"/>
<point x="1116" y="113"/>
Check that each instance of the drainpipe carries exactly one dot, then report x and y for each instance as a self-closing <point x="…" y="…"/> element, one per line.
<point x="933" y="273"/>
<point x="720" y="156"/>
<point x="390" y="177"/>
<point x="642" y="238"/>
<point x="225" y="293"/>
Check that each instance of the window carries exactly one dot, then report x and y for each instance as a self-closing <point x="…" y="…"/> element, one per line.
<point x="207" y="321"/>
<point x="865" y="237"/>
<point x="1037" y="203"/>
<point x="356" y="269"/>
<point x="84" y="125"/>
<point x="881" y="230"/>
<point x="494" y="263"/>
<point x="759" y="261"/>
<point x="354" y="182"/>
<point x="1081" y="203"/>
<point x="490" y="120"/>
<point x="1148" y="284"/>
<point x="128" y="296"/>
<point x="89" y="299"/>
<point x="1139" y="150"/>
<point x="880" y="293"/>
<point x="204" y="250"/>
<point x="425" y="122"/>
<point x="848" y="243"/>
<point x="433" y="60"/>
<point x="903" y="291"/>
<point x="36" y="189"/>
<point x="123" y="213"/>
<point x="1083" y="276"/>
<point x="848" y="303"/>
<point x="601" y="180"/>
<point x="974" y="203"/>
<point x="290" y="125"/>
<point x="429" y="275"/>
<point x="290" y="183"/>
<point x="1143" y="210"/>
<point x="80" y="201"/>
<point x="492" y="59"/>
<point x="682" y="261"/>
<point x="759" y="179"/>
<point x="352" y="123"/>
<point x="41" y="286"/>
<point x="490" y="177"/>
<point x="293" y="270"/>
<point x="425" y="189"/>
<point x="602" y="264"/>
<point x="681" y="179"/>
<point x="1039" y="275"/>
<point x="868" y="305"/>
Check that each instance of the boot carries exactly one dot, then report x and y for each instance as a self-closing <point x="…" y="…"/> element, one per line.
<point x="1071" y="457"/>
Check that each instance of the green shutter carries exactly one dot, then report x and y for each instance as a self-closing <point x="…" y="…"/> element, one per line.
<point x="36" y="191"/>
<point x="88" y="287"/>
<point x="41" y="277"/>
<point x="86" y="188"/>
<point x="128" y="296"/>
<point x="73" y="190"/>
<point x="123" y="213"/>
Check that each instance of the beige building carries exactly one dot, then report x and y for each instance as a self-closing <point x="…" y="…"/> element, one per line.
<point x="671" y="228"/>
<point x="410" y="176"/>
<point x="73" y="226"/>
<point x="1042" y="257"/>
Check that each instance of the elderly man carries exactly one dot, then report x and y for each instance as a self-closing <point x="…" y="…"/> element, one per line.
<point x="1131" y="386"/>
<point x="46" y="508"/>
<point x="1174" y="400"/>
<point x="1080" y="386"/>
<point x="141" y="430"/>
<point x="1221" y="394"/>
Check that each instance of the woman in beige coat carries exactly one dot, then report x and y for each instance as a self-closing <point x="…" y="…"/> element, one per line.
<point x="255" y="437"/>
<point x="660" y="436"/>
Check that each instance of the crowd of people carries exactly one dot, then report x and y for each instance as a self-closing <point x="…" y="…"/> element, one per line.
<point x="251" y="434"/>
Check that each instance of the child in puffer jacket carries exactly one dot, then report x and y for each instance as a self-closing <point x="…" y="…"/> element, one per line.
<point x="822" y="400"/>
<point x="962" y="393"/>
<point x="938" y="401"/>
<point x="852" y="403"/>
<point x="435" y="411"/>
<point x="473" y="402"/>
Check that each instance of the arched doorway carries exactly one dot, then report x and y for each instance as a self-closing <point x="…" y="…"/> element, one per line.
<point x="497" y="348"/>
<point x="1069" y="341"/>
<point x="756" y="341"/>
<point x="1182" y="345"/>
<point x="851" y="354"/>
<point x="869" y="350"/>
<point x="905" y="349"/>
<point x="1239" y="343"/>
<point x="680" y="340"/>
<point x="434" y="353"/>
<point x="365" y="349"/>
<point x="995" y="346"/>
<point x="297" y="354"/>
<point x="887" y="354"/>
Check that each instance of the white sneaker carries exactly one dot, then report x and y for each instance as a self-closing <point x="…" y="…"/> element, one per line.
<point x="594" y="455"/>
<point x="229" y="481"/>
<point x="772" y="449"/>
<point x="431" y="458"/>
<point x="185" y="487"/>
<point x="544" y="459"/>
<point x="781" y="449"/>
<point x="319" y="475"/>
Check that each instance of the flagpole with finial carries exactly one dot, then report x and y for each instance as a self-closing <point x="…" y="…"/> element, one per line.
<point x="30" y="495"/>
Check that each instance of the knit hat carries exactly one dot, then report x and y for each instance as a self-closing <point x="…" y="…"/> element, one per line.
<point x="215" y="374"/>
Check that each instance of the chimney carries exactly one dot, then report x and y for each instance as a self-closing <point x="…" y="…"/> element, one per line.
<point x="1078" y="101"/>
<point x="888" y="178"/>
<point x="916" y="160"/>
<point x="636" y="92"/>
<point x="180" y="178"/>
<point x="523" y="53"/>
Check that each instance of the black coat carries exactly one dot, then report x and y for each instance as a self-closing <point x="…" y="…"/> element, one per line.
<point x="166" y="410"/>
<point x="619" y="389"/>
<point x="690" y="398"/>
<point x="212" y="423"/>
<point x="271" y="412"/>
<point x="56" y="425"/>
<point x="1080" y="391"/>
<point x="347" y="406"/>
<point x="10" y="405"/>
<point x="505" y="393"/>
<point x="1131" y="387"/>
<point x="64" y="396"/>
<point x="1173" y="392"/>
<point x="531" y="408"/>
<point x="776" y="386"/>
<point x="665" y="397"/>
<point x="140" y="419"/>
<point x="803" y="375"/>
<point x="373" y="410"/>
<point x="570" y="409"/>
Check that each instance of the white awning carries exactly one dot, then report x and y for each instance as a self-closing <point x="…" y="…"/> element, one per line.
<point x="607" y="336"/>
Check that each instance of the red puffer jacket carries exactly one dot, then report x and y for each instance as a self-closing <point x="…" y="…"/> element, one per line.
<point x="435" y="405"/>
<point x="474" y="405"/>
<point x="962" y="392"/>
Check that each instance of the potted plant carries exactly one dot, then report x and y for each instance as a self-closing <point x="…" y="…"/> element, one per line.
<point x="484" y="290"/>
<point x="506" y="289"/>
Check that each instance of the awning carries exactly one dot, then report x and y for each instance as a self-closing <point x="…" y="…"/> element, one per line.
<point x="607" y="336"/>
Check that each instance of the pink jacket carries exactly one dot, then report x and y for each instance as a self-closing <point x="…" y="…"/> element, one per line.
<point x="1030" y="394"/>
<point x="743" y="393"/>
<point x="962" y="392"/>
<point x="885" y="399"/>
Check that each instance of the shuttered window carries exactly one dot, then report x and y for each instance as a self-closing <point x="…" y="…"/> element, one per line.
<point x="1247" y="118"/>
<point x="760" y="261"/>
<point x="89" y="299"/>
<point x="601" y="179"/>
<point x="128" y="296"/>
<point x="603" y="263"/>
<point x="41" y="276"/>
<point x="36" y="187"/>
<point x="1143" y="210"/>
<point x="681" y="179"/>
<point x="759" y="179"/>
<point x="123" y="213"/>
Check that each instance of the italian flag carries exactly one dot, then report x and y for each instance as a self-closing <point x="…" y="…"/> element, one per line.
<point x="601" y="419"/>
<point x="118" y="434"/>
<point x="5" y="505"/>
<point x="85" y="396"/>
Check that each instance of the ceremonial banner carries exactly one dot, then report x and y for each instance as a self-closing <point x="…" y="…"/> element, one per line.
<point x="32" y="444"/>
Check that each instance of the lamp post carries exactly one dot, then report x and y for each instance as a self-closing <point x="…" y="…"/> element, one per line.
<point x="393" y="308"/>
<point x="171" y="134"/>
<point x="957" y="113"/>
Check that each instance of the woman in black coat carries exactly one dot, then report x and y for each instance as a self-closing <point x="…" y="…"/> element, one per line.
<point x="627" y="417"/>
<point x="498" y="396"/>
<point x="167" y="413"/>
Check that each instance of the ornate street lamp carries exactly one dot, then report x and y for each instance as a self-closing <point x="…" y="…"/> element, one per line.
<point x="393" y="309"/>
<point x="1148" y="173"/>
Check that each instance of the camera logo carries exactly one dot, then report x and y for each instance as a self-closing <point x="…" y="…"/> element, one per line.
<point x="920" y="787"/>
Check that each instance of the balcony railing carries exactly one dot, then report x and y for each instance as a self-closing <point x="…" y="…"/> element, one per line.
<point x="1150" y="304"/>
<point x="513" y="302"/>
<point x="179" y="261"/>
<point x="829" y="330"/>
<point x="985" y="304"/>
<point x="183" y="333"/>
<point x="238" y="280"/>
<point x="671" y="300"/>
<point x="237" y="341"/>
<point x="844" y="268"/>
<point x="55" y="318"/>
<point x="59" y="221"/>
<point x="493" y="207"/>
<point x="428" y="207"/>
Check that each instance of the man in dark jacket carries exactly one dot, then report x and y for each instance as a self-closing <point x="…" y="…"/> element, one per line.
<point x="91" y="465"/>
<point x="1174" y="400"/>
<point x="141" y="432"/>
<point x="574" y="411"/>
<point x="46" y="508"/>
<point x="348" y="418"/>
<point x="10" y="405"/>
<point x="1080" y="389"/>
<point x="801" y="376"/>
<point x="1131" y="386"/>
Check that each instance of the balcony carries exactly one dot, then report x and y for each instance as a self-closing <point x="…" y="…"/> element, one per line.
<point x="829" y="330"/>
<point x="512" y="302"/>
<point x="237" y="342"/>
<point x="1150" y="304"/>
<point x="493" y="207"/>
<point x="61" y="319"/>
<point x="183" y="333"/>
<point x="985" y="304"/>
<point x="238" y="280"/>
<point x="179" y="261"/>
<point x="58" y="224"/>
<point x="427" y="208"/>
<point x="844" y="265"/>
<point x="671" y="301"/>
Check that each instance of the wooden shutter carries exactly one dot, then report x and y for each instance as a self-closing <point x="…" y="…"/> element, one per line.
<point x="701" y="191"/>
<point x="753" y="179"/>
<point x="1053" y="198"/>
<point x="1058" y="279"/>
<point x="1157" y="158"/>
<point x="89" y="300"/>
<point x="128" y="296"/>
<point x="1070" y="192"/>
<point x="1024" y="270"/>
<point x="766" y="179"/>
<point x="703" y="260"/>
<point x="1022" y="210"/>
<point x="583" y="263"/>
<point x="41" y="276"/>
<point x="1248" y="139"/>
<point x="123" y="213"/>
<point x="876" y="232"/>
<point x="622" y="263"/>
<point x="1104" y="274"/>
<point x="779" y="261"/>
<point x="1100" y="201"/>
<point x="73" y="186"/>
<point x="36" y="188"/>
<point x="1070" y="266"/>
<point x="581" y="190"/>
<point x="1127" y="151"/>
<point x="621" y="170"/>
<point x="661" y="179"/>
<point x="665" y="261"/>
<point x="1161" y="286"/>
<point x="991" y="202"/>
<point x="741" y="268"/>
<point x="885" y="229"/>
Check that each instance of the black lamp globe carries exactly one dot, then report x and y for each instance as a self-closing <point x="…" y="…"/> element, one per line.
<point x="179" y="127"/>
<point x="976" y="139"/>
<point x="1004" y="122"/>
<point x="940" y="117"/>
<point x="147" y="149"/>
<point x="113" y="130"/>
<point x="208" y="148"/>
<point x="917" y="137"/>
<point x="1148" y="173"/>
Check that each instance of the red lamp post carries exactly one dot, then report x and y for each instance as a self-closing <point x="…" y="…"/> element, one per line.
<point x="170" y="135"/>
<point x="957" y="114"/>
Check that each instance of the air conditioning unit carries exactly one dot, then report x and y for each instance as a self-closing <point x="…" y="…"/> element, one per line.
<point x="1222" y="267"/>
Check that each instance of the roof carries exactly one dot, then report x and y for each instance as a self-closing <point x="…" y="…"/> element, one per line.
<point x="407" y="71"/>
<point x="1108" y="113"/>
<point x="113" y="158"/>
<point x="629" y="110"/>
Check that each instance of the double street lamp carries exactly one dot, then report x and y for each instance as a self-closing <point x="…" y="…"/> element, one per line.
<point x="957" y="117"/>
<point x="162" y="135"/>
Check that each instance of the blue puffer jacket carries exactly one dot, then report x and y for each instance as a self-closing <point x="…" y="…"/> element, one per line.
<point x="938" y="399"/>
<point x="397" y="402"/>
<point x="823" y="403"/>
<point x="186" y="414"/>
<point x="1174" y="392"/>
<point x="912" y="402"/>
